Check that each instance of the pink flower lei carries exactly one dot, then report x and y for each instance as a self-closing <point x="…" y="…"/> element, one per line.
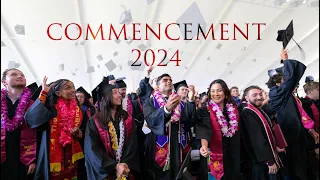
<point x="17" y="120"/>
<point x="67" y="115"/>
<point x="226" y="131"/>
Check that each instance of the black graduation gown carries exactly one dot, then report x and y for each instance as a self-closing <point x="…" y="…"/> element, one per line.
<point x="98" y="163"/>
<point x="139" y="120"/>
<point x="256" y="146"/>
<point x="231" y="146"/>
<point x="296" y="160"/>
<point x="145" y="90"/>
<point x="38" y="116"/>
<point x="156" y="120"/>
<point x="12" y="168"/>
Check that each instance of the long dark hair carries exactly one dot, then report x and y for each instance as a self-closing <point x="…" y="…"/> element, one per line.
<point x="104" y="113"/>
<point x="226" y="91"/>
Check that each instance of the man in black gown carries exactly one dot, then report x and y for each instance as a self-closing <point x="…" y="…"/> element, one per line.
<point x="18" y="142"/>
<point x="257" y="138"/>
<point x="296" y="160"/>
<point x="165" y="142"/>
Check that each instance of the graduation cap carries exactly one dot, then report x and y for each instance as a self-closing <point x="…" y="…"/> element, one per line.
<point x="192" y="15"/>
<point x="126" y="17"/>
<point x="35" y="90"/>
<point x="120" y="84"/>
<point x="285" y="37"/>
<point x="276" y="71"/>
<point x="309" y="79"/>
<point x="110" y="65"/>
<point x="180" y="84"/>
<point x="82" y="90"/>
<point x="90" y="69"/>
<point x="101" y="89"/>
<point x="142" y="47"/>
<point x="119" y="81"/>
<point x="20" y="29"/>
<point x="33" y="87"/>
<point x="272" y="72"/>
<point x="99" y="57"/>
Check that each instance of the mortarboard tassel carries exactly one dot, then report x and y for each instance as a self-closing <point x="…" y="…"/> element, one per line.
<point x="303" y="53"/>
<point x="167" y="164"/>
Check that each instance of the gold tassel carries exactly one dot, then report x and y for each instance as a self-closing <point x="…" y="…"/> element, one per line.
<point x="167" y="165"/>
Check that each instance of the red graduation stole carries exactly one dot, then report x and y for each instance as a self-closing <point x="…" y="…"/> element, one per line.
<point x="268" y="130"/>
<point x="216" y="147"/>
<point x="28" y="144"/>
<point x="56" y="149"/>
<point x="315" y="113"/>
<point x="105" y="138"/>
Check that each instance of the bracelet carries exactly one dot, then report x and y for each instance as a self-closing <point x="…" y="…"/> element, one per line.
<point x="44" y="92"/>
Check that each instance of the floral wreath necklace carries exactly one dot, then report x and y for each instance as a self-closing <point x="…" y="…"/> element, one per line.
<point x="17" y="120"/>
<point x="117" y="147"/>
<point x="227" y="131"/>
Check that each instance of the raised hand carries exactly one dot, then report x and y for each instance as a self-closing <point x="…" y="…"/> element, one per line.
<point x="149" y="70"/>
<point x="192" y="92"/>
<point x="284" y="54"/>
<point x="45" y="87"/>
<point x="173" y="101"/>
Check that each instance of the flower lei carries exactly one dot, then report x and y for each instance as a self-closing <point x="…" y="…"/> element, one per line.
<point x="175" y="117"/>
<point x="114" y="139"/>
<point x="17" y="120"/>
<point x="67" y="117"/>
<point x="226" y="131"/>
<point x="127" y="105"/>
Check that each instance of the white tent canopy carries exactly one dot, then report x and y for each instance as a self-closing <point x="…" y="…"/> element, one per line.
<point x="239" y="62"/>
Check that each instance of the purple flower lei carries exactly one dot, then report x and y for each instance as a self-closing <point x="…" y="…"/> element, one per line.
<point x="226" y="131"/>
<point x="17" y="120"/>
